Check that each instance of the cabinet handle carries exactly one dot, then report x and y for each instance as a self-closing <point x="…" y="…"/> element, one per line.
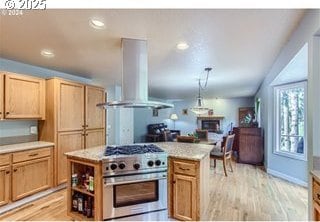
<point x="15" y="170"/>
<point x="34" y="154"/>
<point x="7" y="172"/>
<point x="0" y="113"/>
<point x="183" y="168"/>
<point x="84" y="125"/>
<point x="7" y="113"/>
<point x="318" y="195"/>
<point x="83" y="134"/>
<point x="174" y="182"/>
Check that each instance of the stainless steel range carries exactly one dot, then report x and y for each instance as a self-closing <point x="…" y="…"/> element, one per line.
<point x="134" y="179"/>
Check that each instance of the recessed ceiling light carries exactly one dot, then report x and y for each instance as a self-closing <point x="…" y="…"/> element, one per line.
<point x="182" y="46"/>
<point x="97" y="24"/>
<point x="47" y="53"/>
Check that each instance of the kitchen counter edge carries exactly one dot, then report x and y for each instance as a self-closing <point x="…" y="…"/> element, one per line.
<point x="24" y="146"/>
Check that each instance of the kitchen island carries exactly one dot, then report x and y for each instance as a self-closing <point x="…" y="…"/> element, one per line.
<point x="187" y="180"/>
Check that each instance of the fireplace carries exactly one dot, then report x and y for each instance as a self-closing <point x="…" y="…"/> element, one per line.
<point x="210" y="123"/>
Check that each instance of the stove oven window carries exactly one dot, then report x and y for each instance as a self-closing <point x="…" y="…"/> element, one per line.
<point x="135" y="193"/>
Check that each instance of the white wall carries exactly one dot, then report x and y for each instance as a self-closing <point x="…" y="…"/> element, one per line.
<point x="22" y="127"/>
<point x="294" y="170"/>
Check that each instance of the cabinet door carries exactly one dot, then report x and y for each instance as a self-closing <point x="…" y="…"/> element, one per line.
<point x="4" y="185"/>
<point x="67" y="142"/>
<point x="24" y="97"/>
<point x="1" y="96"/>
<point x="95" y="116"/>
<point x="70" y="106"/>
<point x="95" y="138"/>
<point x="184" y="197"/>
<point x="31" y="177"/>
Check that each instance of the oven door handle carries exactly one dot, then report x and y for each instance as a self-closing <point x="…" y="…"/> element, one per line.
<point x="109" y="183"/>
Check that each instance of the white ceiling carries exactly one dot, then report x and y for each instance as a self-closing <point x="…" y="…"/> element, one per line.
<point x="240" y="45"/>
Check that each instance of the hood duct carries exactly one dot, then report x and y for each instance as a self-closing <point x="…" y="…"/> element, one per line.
<point x="135" y="77"/>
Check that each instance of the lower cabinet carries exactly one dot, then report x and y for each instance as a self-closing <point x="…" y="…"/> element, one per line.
<point x="4" y="185"/>
<point x="188" y="188"/>
<point x="184" y="197"/>
<point x="67" y="142"/>
<point x="25" y="173"/>
<point x="316" y="199"/>
<point x="31" y="177"/>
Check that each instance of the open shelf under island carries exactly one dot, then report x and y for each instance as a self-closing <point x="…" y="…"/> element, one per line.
<point x="187" y="180"/>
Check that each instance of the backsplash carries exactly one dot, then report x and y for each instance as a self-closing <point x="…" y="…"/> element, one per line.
<point x="316" y="162"/>
<point x="17" y="131"/>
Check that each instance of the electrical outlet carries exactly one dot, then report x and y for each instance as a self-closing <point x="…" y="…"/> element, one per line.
<point x="33" y="130"/>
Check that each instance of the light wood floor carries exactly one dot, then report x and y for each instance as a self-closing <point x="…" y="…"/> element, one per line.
<point x="246" y="194"/>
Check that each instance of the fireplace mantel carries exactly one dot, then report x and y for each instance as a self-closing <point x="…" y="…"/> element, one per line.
<point x="212" y="117"/>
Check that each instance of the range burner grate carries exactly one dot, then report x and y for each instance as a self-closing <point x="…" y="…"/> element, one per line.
<point x="132" y="149"/>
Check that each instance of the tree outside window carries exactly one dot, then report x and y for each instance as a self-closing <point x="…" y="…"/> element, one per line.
<point x="291" y="120"/>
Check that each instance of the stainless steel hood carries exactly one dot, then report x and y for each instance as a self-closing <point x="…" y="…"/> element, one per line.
<point x="135" y="77"/>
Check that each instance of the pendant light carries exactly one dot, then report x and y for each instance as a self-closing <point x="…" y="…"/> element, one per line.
<point x="200" y="109"/>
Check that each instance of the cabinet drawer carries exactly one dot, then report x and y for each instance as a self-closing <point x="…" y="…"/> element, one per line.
<point x="316" y="191"/>
<point x="30" y="155"/>
<point x="4" y="159"/>
<point x="184" y="168"/>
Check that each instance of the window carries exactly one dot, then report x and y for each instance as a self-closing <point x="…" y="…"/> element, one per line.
<point x="290" y="126"/>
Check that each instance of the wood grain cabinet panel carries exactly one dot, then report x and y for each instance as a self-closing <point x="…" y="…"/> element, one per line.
<point x="70" y="106"/>
<point x="1" y="96"/>
<point x="184" y="197"/>
<point x="4" y="185"/>
<point x="24" y="97"/>
<point x="95" y="138"/>
<point x="31" y="177"/>
<point x="67" y="142"/>
<point x="95" y="116"/>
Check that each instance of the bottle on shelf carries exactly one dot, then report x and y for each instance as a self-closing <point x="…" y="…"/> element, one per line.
<point x="91" y="184"/>
<point x="89" y="208"/>
<point x="80" y="203"/>
<point x="85" y="205"/>
<point x="75" y="202"/>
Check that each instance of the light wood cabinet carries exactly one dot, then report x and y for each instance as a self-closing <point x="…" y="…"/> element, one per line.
<point x="188" y="188"/>
<point x="70" y="106"/>
<point x="184" y="197"/>
<point x="4" y="185"/>
<point x="71" y="114"/>
<point x="95" y="138"/>
<point x="31" y="177"/>
<point x="95" y="116"/>
<point x="316" y="198"/>
<point x="67" y="142"/>
<point x="24" y="97"/>
<point x="1" y="96"/>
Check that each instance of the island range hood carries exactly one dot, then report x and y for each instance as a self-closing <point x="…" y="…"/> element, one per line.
<point x="135" y="77"/>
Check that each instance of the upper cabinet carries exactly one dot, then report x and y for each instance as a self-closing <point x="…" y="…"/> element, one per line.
<point x="1" y="96"/>
<point x="95" y="116"/>
<point x="24" y="97"/>
<point x="70" y="106"/>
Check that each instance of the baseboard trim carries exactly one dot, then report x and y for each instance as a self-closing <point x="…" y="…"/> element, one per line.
<point x="287" y="177"/>
<point x="29" y="199"/>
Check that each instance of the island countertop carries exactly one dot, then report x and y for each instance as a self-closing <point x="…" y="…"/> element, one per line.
<point x="191" y="151"/>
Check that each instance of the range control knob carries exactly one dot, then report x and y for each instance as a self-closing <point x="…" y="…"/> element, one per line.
<point x="150" y="163"/>
<point x="113" y="166"/>
<point x="136" y="166"/>
<point x="122" y="165"/>
<point x="158" y="162"/>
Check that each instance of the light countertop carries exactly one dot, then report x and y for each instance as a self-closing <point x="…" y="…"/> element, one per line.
<point x="316" y="174"/>
<point x="191" y="151"/>
<point x="24" y="146"/>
